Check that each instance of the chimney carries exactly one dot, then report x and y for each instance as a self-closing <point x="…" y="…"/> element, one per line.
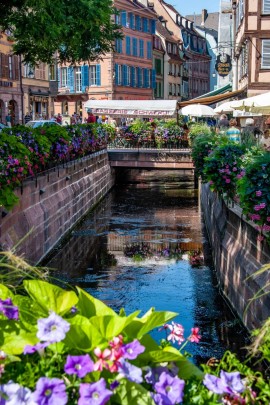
<point x="204" y="16"/>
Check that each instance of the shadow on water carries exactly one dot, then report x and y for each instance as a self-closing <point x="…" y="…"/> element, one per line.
<point x="144" y="247"/>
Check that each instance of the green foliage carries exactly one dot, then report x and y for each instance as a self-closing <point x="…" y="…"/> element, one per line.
<point x="202" y="146"/>
<point x="199" y="129"/>
<point x="223" y="167"/>
<point x="74" y="31"/>
<point x="253" y="190"/>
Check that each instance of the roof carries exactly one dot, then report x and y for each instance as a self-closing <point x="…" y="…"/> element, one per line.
<point x="211" y="99"/>
<point x="163" y="31"/>
<point x="142" y="108"/>
<point x="211" y="21"/>
<point x="220" y="90"/>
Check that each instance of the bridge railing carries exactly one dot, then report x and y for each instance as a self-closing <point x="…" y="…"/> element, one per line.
<point x="124" y="143"/>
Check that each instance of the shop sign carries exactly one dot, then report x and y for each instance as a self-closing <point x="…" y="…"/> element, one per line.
<point x="223" y="64"/>
<point x="120" y="112"/>
<point x="39" y="99"/>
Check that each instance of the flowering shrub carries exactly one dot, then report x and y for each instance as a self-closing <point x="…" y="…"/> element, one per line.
<point x="223" y="168"/>
<point x="142" y="251"/>
<point x="253" y="190"/>
<point x="202" y="146"/>
<point x="66" y="347"/>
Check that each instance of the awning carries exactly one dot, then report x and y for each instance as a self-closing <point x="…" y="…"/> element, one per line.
<point x="143" y="108"/>
<point x="71" y="97"/>
<point x="212" y="99"/>
<point x="220" y="90"/>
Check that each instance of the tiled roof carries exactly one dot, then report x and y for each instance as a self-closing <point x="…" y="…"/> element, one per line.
<point x="165" y="32"/>
<point x="211" y="22"/>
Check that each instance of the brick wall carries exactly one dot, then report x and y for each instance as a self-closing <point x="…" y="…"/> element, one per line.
<point x="237" y="254"/>
<point x="53" y="203"/>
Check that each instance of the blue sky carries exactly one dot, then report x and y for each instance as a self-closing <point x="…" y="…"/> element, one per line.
<point x="186" y="7"/>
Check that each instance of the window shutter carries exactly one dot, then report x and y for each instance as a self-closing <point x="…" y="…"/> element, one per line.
<point x="266" y="6"/>
<point x="144" y="77"/>
<point x="98" y="75"/>
<point x="70" y="79"/>
<point x="144" y="24"/>
<point x="153" y="26"/>
<point x="131" y="21"/>
<point x="116" y="74"/>
<point x="85" y="77"/>
<point x="149" y="50"/>
<point x="124" y="78"/>
<point x="154" y="84"/>
<point x="137" y="22"/>
<point x="132" y="84"/>
<point x="134" y="46"/>
<point x="141" y="48"/>
<point x="139" y="75"/>
<point x="128" y="45"/>
<point x="124" y="18"/>
<point x="59" y="77"/>
<point x="120" y="46"/>
<point x="266" y="53"/>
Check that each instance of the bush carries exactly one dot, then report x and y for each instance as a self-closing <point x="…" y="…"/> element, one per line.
<point x="223" y="168"/>
<point x="202" y="146"/>
<point x="197" y="129"/>
<point x="253" y="190"/>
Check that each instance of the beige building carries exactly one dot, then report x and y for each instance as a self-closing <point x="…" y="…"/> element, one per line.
<point x="252" y="45"/>
<point x="11" y="95"/>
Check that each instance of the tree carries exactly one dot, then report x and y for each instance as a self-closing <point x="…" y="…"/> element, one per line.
<point x="75" y="30"/>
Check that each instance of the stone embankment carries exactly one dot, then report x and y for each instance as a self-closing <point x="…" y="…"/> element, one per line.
<point x="237" y="255"/>
<point x="53" y="203"/>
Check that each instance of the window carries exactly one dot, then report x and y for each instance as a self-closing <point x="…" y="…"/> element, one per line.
<point x="138" y="23"/>
<point x="169" y="48"/>
<point x="95" y="77"/>
<point x="131" y="21"/>
<point x="149" y="50"/>
<point x="52" y="72"/>
<point x="10" y="67"/>
<point x="174" y="89"/>
<point x="78" y="79"/>
<point x="170" y="89"/>
<point x="118" y="45"/>
<point x="128" y="45"/>
<point x="135" y="83"/>
<point x="244" y="61"/>
<point x="158" y="66"/>
<point x="64" y="77"/>
<point x="128" y="76"/>
<point x="266" y="6"/>
<point x="174" y="49"/>
<point x="134" y="47"/>
<point x="120" y="77"/>
<point x="265" y="64"/>
<point x="40" y="71"/>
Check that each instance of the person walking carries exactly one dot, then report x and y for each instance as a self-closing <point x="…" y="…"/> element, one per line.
<point x="223" y="124"/>
<point x="8" y="120"/>
<point x="233" y="133"/>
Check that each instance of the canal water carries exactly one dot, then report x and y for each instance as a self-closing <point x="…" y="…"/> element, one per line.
<point x="144" y="247"/>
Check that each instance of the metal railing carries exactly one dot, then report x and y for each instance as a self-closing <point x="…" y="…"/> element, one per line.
<point x="124" y="143"/>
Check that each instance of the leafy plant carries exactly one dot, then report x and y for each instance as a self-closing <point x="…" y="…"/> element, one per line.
<point x="199" y="129"/>
<point x="202" y="146"/>
<point x="223" y="168"/>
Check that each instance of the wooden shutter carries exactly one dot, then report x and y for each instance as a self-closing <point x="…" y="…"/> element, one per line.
<point x="153" y="26"/>
<point x="154" y="84"/>
<point x="266" y="7"/>
<point x="98" y="74"/>
<point x="85" y="77"/>
<point x="116" y="74"/>
<point x="128" y="45"/>
<point x="70" y="79"/>
<point x="266" y="53"/>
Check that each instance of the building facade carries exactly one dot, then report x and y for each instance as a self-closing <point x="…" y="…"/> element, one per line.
<point x="252" y="45"/>
<point x="11" y="92"/>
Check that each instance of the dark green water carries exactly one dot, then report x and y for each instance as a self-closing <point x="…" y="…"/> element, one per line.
<point x="134" y="252"/>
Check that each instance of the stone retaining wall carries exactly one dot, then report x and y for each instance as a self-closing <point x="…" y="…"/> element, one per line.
<point x="52" y="204"/>
<point x="237" y="254"/>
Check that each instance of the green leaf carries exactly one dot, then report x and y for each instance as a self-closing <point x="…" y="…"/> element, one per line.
<point x="83" y="335"/>
<point x="50" y="297"/>
<point x="110" y="326"/>
<point x="130" y="393"/>
<point x="149" y="321"/>
<point x="5" y="292"/>
<point x="90" y="306"/>
<point x="14" y="343"/>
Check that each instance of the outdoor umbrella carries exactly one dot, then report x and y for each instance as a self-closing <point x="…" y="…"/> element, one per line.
<point x="256" y="104"/>
<point x="224" y="108"/>
<point x="198" y="110"/>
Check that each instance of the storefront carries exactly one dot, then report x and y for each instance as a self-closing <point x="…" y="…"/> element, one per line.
<point x="39" y="105"/>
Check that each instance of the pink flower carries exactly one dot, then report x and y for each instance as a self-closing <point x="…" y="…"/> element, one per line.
<point x="211" y="182"/>
<point x="227" y="180"/>
<point x="102" y="359"/>
<point x="263" y="205"/>
<point x="194" y="337"/>
<point x="258" y="193"/>
<point x="257" y="207"/>
<point x="177" y="333"/>
<point x="266" y="228"/>
<point x="260" y="238"/>
<point x="234" y="169"/>
<point x="268" y="219"/>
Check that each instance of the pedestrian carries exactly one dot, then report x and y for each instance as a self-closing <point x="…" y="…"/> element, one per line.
<point x="27" y="117"/>
<point x="250" y="132"/>
<point x="233" y="133"/>
<point x="8" y="120"/>
<point x="223" y="124"/>
<point x="59" y="119"/>
<point x="91" y="118"/>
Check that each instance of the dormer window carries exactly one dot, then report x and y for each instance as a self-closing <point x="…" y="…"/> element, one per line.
<point x="169" y="48"/>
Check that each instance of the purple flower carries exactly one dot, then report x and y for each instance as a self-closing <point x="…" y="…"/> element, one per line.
<point x="170" y="389"/>
<point x="153" y="374"/>
<point x="132" y="350"/>
<point x="8" y="309"/>
<point x="228" y="383"/>
<point x="50" y="391"/>
<point x="16" y="395"/>
<point x="79" y="365"/>
<point x="52" y="329"/>
<point x="131" y="372"/>
<point x="39" y="347"/>
<point x="94" y="394"/>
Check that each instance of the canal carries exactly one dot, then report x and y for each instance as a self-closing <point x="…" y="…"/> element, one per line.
<point x="144" y="247"/>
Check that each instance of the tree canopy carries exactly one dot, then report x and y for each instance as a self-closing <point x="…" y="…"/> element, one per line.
<point x="75" y="30"/>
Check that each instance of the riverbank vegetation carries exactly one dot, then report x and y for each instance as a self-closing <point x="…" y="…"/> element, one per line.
<point x="66" y="347"/>
<point x="239" y="173"/>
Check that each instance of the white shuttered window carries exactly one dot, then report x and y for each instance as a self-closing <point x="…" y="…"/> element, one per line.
<point x="265" y="54"/>
<point x="266" y="6"/>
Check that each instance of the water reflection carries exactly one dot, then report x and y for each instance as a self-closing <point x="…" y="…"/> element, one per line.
<point x="135" y="252"/>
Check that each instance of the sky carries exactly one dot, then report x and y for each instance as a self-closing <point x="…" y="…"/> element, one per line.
<point x="187" y="7"/>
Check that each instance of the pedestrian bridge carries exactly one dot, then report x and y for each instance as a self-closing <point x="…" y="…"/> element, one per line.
<point x="151" y="158"/>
